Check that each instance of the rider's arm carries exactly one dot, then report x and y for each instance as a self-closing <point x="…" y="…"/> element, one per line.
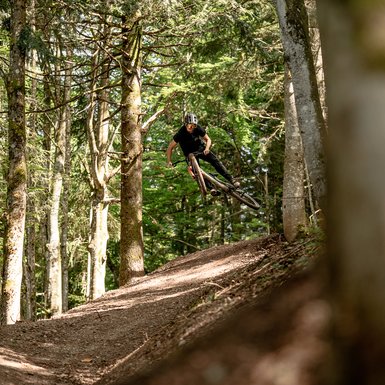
<point x="207" y="139"/>
<point x="169" y="151"/>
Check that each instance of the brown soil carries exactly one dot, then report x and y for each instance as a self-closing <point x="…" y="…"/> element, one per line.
<point x="233" y="314"/>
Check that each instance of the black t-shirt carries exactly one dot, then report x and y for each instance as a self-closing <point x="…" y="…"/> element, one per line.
<point x="190" y="142"/>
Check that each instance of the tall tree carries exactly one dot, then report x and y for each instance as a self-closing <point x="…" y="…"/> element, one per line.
<point x="17" y="169"/>
<point x="66" y="182"/>
<point x="30" y="242"/>
<point x="293" y="199"/>
<point x="293" y="23"/>
<point x="54" y="263"/>
<point x="352" y="35"/>
<point x="131" y="234"/>
<point x="99" y="141"/>
<point x="315" y="42"/>
<point x="54" y="269"/>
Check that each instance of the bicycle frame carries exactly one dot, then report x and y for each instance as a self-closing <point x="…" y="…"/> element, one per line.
<point x="198" y="174"/>
<point x="201" y="176"/>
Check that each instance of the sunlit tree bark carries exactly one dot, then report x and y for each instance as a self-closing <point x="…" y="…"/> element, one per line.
<point x="293" y="199"/>
<point x="54" y="262"/>
<point x="98" y="134"/>
<point x="54" y="268"/>
<point x="296" y="45"/>
<point x="64" y="226"/>
<point x="29" y="269"/>
<point x="17" y="169"/>
<point x="131" y="237"/>
<point x="315" y="42"/>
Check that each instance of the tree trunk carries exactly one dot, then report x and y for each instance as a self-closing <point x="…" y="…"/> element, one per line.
<point x="354" y="52"/>
<point x="236" y="209"/>
<point x="296" y="45"/>
<point x="315" y="43"/>
<point x="98" y="136"/>
<point x="98" y="248"/>
<point x="54" y="268"/>
<point x="47" y="147"/>
<point x="66" y="186"/>
<point x="29" y="272"/>
<point x="17" y="170"/>
<point x="267" y="201"/>
<point x="30" y="234"/>
<point x="131" y="236"/>
<point x="293" y="199"/>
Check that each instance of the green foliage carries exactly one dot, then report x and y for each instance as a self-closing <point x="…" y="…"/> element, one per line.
<point x="4" y="5"/>
<point x="34" y="40"/>
<point x="75" y="300"/>
<point x="231" y="77"/>
<point x="112" y="271"/>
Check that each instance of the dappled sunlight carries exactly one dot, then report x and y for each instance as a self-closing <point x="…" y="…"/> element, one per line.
<point x="193" y="275"/>
<point x="159" y="286"/>
<point x="126" y="303"/>
<point x="12" y="362"/>
<point x="121" y="328"/>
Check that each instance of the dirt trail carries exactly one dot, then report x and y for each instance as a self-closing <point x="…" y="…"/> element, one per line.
<point x="135" y="327"/>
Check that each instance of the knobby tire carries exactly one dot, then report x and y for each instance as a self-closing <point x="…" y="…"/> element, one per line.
<point x="245" y="198"/>
<point x="238" y="194"/>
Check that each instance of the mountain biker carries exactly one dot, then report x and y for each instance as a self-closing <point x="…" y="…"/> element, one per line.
<point x="193" y="138"/>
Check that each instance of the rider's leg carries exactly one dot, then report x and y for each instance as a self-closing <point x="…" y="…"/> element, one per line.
<point x="219" y="167"/>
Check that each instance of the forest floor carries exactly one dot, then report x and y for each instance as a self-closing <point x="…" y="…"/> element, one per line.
<point x="243" y="313"/>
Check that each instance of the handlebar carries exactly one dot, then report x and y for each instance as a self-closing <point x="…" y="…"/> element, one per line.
<point x="196" y="153"/>
<point x="178" y="161"/>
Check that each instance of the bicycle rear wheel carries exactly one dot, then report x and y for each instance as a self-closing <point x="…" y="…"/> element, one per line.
<point x="244" y="198"/>
<point x="228" y="189"/>
<point x="198" y="175"/>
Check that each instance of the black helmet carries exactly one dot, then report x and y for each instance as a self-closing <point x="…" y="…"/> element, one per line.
<point x="191" y="118"/>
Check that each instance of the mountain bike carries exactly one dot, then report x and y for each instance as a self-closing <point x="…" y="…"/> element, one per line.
<point x="202" y="177"/>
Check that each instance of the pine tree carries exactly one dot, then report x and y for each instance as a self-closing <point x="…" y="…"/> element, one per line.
<point x="17" y="169"/>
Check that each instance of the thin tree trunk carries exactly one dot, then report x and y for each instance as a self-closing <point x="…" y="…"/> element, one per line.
<point x="66" y="187"/>
<point x="100" y="206"/>
<point x="236" y="205"/>
<point x="223" y="225"/>
<point x="296" y="45"/>
<point x="47" y="147"/>
<point x="30" y="242"/>
<point x="54" y="259"/>
<point x="267" y="202"/>
<point x="131" y="235"/>
<point x="93" y="170"/>
<point x="98" y="248"/>
<point x="316" y="47"/>
<point x="293" y="199"/>
<point x="54" y="267"/>
<point x="29" y="272"/>
<point x="179" y="246"/>
<point x="313" y="217"/>
<point x="98" y="135"/>
<point x="17" y="170"/>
